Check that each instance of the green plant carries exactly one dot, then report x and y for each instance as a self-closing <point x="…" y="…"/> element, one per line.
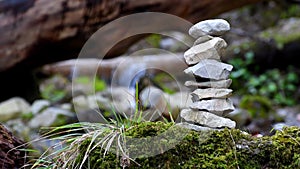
<point x="258" y="106"/>
<point x="205" y="149"/>
<point x="53" y="94"/>
<point x="291" y="11"/>
<point x="278" y="85"/>
<point x="109" y="136"/>
<point x="99" y="84"/>
<point x="154" y="40"/>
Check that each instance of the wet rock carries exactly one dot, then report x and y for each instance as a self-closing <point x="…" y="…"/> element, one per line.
<point x="220" y="107"/>
<point x="39" y="105"/>
<point x="206" y="119"/>
<point x="213" y="84"/>
<point x="210" y="69"/>
<point x="213" y="27"/>
<point x="13" y="108"/>
<point x="203" y="39"/>
<point x="212" y="49"/>
<point x="200" y="94"/>
<point x="50" y="117"/>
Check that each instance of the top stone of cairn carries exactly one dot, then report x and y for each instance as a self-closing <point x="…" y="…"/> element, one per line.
<point x="214" y="27"/>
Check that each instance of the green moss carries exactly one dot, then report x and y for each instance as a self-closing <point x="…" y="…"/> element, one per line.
<point x="285" y="32"/>
<point x="211" y="149"/>
<point x="99" y="84"/>
<point x="258" y="106"/>
<point x="280" y="38"/>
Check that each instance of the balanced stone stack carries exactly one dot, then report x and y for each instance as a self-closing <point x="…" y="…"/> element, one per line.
<point x="210" y="100"/>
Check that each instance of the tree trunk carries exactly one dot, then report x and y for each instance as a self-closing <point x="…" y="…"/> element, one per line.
<point x="10" y="156"/>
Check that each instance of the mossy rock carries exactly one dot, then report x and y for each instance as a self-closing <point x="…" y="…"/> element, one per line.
<point x="258" y="106"/>
<point x="228" y="148"/>
<point x="285" y="32"/>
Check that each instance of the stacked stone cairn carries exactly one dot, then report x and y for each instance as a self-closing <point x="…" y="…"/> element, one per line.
<point x="210" y="99"/>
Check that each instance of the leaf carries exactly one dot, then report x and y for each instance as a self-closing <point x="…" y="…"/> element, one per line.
<point x="100" y="85"/>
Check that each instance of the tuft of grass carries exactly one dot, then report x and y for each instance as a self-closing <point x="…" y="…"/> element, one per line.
<point x="110" y="136"/>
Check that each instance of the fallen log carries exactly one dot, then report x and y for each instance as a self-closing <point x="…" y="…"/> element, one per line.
<point x="116" y="68"/>
<point x="35" y="32"/>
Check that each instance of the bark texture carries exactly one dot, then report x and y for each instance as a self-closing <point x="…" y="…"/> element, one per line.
<point x="9" y="156"/>
<point x="35" y="32"/>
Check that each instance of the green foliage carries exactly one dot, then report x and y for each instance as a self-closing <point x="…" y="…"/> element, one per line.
<point x="27" y="116"/>
<point x="103" y="146"/>
<point x="277" y="85"/>
<point x="154" y="40"/>
<point x="258" y="106"/>
<point x="291" y="11"/>
<point x="280" y="38"/>
<point x="53" y="94"/>
<point x="99" y="84"/>
<point x="208" y="149"/>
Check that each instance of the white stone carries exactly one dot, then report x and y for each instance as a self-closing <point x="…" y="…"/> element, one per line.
<point x="206" y="119"/>
<point x="210" y="69"/>
<point x="13" y="108"/>
<point x="212" y="49"/>
<point x="220" y="107"/>
<point x="213" y="84"/>
<point x="200" y="94"/>
<point x="203" y="39"/>
<point x="38" y="105"/>
<point x="215" y="27"/>
<point x="48" y="117"/>
<point x="66" y="106"/>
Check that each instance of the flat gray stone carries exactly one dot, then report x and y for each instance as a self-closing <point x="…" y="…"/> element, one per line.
<point x="212" y="49"/>
<point x="213" y="84"/>
<point x="38" y="105"/>
<point x="206" y="119"/>
<point x="214" y="27"/>
<point x="220" y="107"/>
<point x="48" y="117"/>
<point x="200" y="94"/>
<point x="203" y="39"/>
<point x="210" y="69"/>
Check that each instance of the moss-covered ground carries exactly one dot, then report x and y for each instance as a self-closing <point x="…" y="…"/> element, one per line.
<point x="228" y="148"/>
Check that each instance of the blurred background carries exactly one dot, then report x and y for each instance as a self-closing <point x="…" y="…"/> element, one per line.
<point x="39" y="40"/>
